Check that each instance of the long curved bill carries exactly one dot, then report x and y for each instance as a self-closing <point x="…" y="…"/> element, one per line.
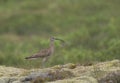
<point x="63" y="42"/>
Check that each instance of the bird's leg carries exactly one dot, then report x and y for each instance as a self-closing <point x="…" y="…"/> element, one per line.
<point x="43" y="61"/>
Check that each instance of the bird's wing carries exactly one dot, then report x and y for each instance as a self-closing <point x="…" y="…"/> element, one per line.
<point x="40" y="54"/>
<point x="43" y="53"/>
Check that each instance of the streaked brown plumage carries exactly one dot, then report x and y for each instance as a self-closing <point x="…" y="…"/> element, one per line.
<point x="45" y="52"/>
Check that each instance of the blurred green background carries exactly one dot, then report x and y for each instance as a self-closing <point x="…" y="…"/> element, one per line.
<point x="91" y="29"/>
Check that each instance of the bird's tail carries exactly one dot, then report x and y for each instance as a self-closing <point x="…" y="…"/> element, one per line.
<point x="35" y="56"/>
<point x="29" y="58"/>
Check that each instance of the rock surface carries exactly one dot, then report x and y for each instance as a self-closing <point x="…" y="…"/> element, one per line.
<point x="104" y="72"/>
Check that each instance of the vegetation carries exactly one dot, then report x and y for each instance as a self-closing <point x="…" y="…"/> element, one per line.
<point x="89" y="27"/>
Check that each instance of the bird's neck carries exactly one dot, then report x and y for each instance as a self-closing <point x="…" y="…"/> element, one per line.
<point x="52" y="46"/>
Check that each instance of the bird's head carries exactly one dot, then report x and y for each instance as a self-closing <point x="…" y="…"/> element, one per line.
<point x="54" y="38"/>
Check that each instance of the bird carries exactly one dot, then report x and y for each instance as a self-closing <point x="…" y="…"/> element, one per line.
<point x="45" y="53"/>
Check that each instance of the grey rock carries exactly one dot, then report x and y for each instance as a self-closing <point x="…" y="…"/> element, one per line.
<point x="82" y="79"/>
<point x="2" y="80"/>
<point x="21" y="82"/>
<point x="112" y="77"/>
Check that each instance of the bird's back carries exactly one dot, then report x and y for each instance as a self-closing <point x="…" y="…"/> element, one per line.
<point x="41" y="54"/>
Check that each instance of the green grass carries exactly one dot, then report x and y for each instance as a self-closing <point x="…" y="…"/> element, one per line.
<point x="89" y="27"/>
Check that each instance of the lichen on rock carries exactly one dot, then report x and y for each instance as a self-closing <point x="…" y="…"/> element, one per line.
<point x="69" y="73"/>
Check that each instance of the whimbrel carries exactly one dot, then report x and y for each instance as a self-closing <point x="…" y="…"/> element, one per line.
<point x="45" y="53"/>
